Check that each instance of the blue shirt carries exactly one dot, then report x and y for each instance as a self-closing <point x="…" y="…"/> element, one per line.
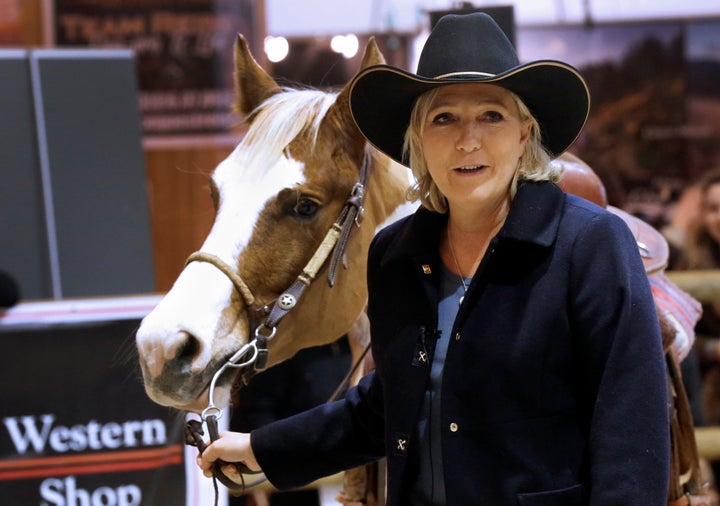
<point x="429" y="488"/>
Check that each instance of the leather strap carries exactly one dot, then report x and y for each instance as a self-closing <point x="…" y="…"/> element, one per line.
<point x="352" y="214"/>
<point x="335" y="241"/>
<point x="193" y="437"/>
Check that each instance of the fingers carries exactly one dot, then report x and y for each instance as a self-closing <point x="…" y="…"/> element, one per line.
<point x="232" y="473"/>
<point x="229" y="447"/>
<point x="207" y="458"/>
<point x="205" y="466"/>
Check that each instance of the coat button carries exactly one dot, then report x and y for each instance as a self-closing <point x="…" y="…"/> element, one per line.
<point x="457" y="336"/>
<point x="453" y="427"/>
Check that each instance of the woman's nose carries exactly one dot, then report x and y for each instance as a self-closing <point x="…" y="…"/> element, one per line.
<point x="468" y="139"/>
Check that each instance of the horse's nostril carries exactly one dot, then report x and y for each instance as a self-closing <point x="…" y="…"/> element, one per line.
<point x="188" y="349"/>
<point x="184" y="353"/>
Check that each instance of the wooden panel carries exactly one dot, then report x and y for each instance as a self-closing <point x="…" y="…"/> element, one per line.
<point x="32" y="22"/>
<point x="181" y="210"/>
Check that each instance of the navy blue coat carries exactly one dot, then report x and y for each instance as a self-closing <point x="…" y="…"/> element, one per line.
<point x="554" y="389"/>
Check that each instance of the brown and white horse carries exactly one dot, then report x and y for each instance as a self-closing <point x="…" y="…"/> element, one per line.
<point x="278" y="197"/>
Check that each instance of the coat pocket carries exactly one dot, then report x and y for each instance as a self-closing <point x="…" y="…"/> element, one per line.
<point x="571" y="496"/>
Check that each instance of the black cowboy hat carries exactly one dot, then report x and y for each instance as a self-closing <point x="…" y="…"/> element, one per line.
<point x="462" y="49"/>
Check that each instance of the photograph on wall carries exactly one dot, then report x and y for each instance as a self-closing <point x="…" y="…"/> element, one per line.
<point x="703" y="97"/>
<point x="650" y="132"/>
<point x="183" y="49"/>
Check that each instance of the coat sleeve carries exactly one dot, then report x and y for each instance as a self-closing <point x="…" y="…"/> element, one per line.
<point x="324" y="440"/>
<point x="622" y="362"/>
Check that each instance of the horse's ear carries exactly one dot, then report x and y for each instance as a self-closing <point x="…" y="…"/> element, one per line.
<point x="372" y="56"/>
<point x="252" y="84"/>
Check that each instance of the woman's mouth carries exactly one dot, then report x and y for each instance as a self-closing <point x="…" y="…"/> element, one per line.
<point x="469" y="169"/>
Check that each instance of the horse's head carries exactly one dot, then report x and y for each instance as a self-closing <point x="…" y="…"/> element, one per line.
<point x="276" y="197"/>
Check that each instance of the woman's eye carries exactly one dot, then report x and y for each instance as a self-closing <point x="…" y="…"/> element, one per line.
<point x="493" y="116"/>
<point x="442" y="118"/>
<point x="306" y="208"/>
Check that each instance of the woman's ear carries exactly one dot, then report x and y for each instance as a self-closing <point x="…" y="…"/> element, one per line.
<point x="525" y="130"/>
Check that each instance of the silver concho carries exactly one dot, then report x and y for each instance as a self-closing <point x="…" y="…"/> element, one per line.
<point x="287" y="301"/>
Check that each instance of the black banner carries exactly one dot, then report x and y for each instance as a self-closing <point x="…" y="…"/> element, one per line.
<point x="76" y="427"/>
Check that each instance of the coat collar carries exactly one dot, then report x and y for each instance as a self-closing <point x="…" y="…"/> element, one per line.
<point x="534" y="217"/>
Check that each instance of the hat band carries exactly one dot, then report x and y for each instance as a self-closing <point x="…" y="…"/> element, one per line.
<point x="459" y="74"/>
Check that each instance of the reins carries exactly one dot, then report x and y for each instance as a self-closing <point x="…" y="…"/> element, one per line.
<point x="194" y="434"/>
<point x="255" y="352"/>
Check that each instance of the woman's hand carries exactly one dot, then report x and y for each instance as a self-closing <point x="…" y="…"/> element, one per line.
<point x="230" y="447"/>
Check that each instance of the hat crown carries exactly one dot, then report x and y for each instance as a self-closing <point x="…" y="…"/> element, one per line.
<point x="470" y="43"/>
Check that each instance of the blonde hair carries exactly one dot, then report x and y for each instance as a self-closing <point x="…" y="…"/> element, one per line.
<point x="534" y="164"/>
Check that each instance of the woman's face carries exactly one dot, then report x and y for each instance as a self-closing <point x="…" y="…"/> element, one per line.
<point x="472" y="140"/>
<point x="711" y="211"/>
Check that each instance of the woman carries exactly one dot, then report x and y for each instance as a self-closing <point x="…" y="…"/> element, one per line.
<point x="517" y="347"/>
<point x="701" y="251"/>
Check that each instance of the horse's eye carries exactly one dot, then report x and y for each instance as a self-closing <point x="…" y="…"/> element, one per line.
<point x="306" y="208"/>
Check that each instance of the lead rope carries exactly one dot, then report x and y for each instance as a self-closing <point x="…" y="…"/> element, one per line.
<point x="210" y="416"/>
<point x="194" y="436"/>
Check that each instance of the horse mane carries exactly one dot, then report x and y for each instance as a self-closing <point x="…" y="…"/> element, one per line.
<point x="278" y="120"/>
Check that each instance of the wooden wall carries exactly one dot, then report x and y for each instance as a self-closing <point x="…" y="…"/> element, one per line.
<point x="180" y="206"/>
<point x="31" y="21"/>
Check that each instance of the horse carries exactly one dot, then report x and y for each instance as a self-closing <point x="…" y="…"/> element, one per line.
<point x="300" y="196"/>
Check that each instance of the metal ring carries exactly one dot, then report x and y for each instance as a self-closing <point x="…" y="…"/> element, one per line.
<point x="252" y="344"/>
<point x="358" y="190"/>
<point x="211" y="410"/>
<point x="262" y="325"/>
<point x="359" y="216"/>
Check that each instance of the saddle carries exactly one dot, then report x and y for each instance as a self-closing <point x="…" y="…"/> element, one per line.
<point x="677" y="313"/>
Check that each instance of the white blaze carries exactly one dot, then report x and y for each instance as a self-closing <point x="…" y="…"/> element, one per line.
<point x="196" y="301"/>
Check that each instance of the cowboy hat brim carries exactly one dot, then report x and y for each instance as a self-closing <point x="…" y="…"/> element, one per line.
<point x="382" y="98"/>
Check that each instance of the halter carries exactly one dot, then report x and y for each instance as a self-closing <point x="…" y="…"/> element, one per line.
<point x="255" y="352"/>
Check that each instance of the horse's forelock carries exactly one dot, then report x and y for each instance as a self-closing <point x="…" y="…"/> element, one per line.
<point x="279" y="120"/>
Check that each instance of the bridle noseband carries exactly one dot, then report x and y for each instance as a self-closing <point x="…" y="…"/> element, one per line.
<point x="255" y="352"/>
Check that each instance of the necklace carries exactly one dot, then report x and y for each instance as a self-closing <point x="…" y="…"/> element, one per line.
<point x="457" y="265"/>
